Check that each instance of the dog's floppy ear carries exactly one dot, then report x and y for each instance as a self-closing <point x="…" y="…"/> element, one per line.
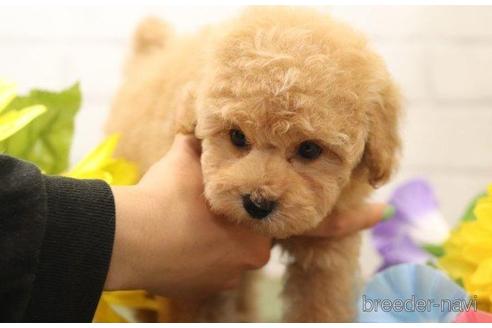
<point x="383" y="143"/>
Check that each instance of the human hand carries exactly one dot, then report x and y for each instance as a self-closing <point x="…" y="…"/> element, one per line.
<point x="340" y="225"/>
<point x="168" y="242"/>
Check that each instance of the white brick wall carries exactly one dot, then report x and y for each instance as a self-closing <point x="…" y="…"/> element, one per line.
<point x="461" y="71"/>
<point x="441" y="56"/>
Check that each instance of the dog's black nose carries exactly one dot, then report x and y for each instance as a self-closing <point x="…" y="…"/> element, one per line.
<point x="258" y="208"/>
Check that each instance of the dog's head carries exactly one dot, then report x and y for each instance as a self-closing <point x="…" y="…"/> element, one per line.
<point x="295" y="112"/>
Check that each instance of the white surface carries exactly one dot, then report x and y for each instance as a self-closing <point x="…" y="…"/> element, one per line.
<point x="441" y="56"/>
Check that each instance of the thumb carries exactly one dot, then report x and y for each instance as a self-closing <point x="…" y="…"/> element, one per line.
<point x="371" y="214"/>
<point x="342" y="224"/>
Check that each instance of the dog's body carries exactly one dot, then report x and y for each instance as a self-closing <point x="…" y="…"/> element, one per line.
<point x="294" y="111"/>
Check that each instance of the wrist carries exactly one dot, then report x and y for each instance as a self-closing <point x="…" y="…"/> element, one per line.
<point x="125" y="270"/>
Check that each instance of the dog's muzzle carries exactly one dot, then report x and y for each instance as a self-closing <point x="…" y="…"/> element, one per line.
<point x="258" y="208"/>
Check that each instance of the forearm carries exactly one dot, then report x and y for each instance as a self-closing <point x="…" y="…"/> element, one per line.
<point x="22" y="226"/>
<point x="75" y="253"/>
<point x="56" y="239"/>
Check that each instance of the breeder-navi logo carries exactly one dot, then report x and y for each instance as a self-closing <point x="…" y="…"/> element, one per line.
<point x="414" y="304"/>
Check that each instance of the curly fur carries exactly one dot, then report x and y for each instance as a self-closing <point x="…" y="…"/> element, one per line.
<point x="282" y="76"/>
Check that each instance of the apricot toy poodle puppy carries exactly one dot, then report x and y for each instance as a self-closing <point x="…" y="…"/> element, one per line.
<point x="297" y="117"/>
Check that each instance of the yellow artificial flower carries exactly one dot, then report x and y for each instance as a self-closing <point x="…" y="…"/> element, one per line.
<point x="122" y="306"/>
<point x="14" y="120"/>
<point x="99" y="164"/>
<point x="7" y="94"/>
<point x="468" y="253"/>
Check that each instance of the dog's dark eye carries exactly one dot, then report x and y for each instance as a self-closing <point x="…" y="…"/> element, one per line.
<point x="238" y="138"/>
<point x="309" y="150"/>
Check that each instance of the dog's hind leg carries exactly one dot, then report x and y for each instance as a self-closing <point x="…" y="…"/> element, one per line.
<point x="321" y="280"/>
<point x="246" y="298"/>
<point x="230" y="306"/>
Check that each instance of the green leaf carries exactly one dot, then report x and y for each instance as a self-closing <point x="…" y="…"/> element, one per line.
<point x="13" y="121"/>
<point x="469" y="215"/>
<point x="436" y="250"/>
<point x="47" y="140"/>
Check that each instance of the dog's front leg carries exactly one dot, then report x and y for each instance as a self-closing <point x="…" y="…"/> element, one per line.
<point x="219" y="307"/>
<point x="237" y="305"/>
<point x="321" y="283"/>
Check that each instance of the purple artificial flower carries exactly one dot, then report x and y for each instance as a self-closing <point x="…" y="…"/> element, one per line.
<point x="417" y="222"/>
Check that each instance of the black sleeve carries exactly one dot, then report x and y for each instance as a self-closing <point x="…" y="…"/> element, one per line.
<point x="56" y="238"/>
